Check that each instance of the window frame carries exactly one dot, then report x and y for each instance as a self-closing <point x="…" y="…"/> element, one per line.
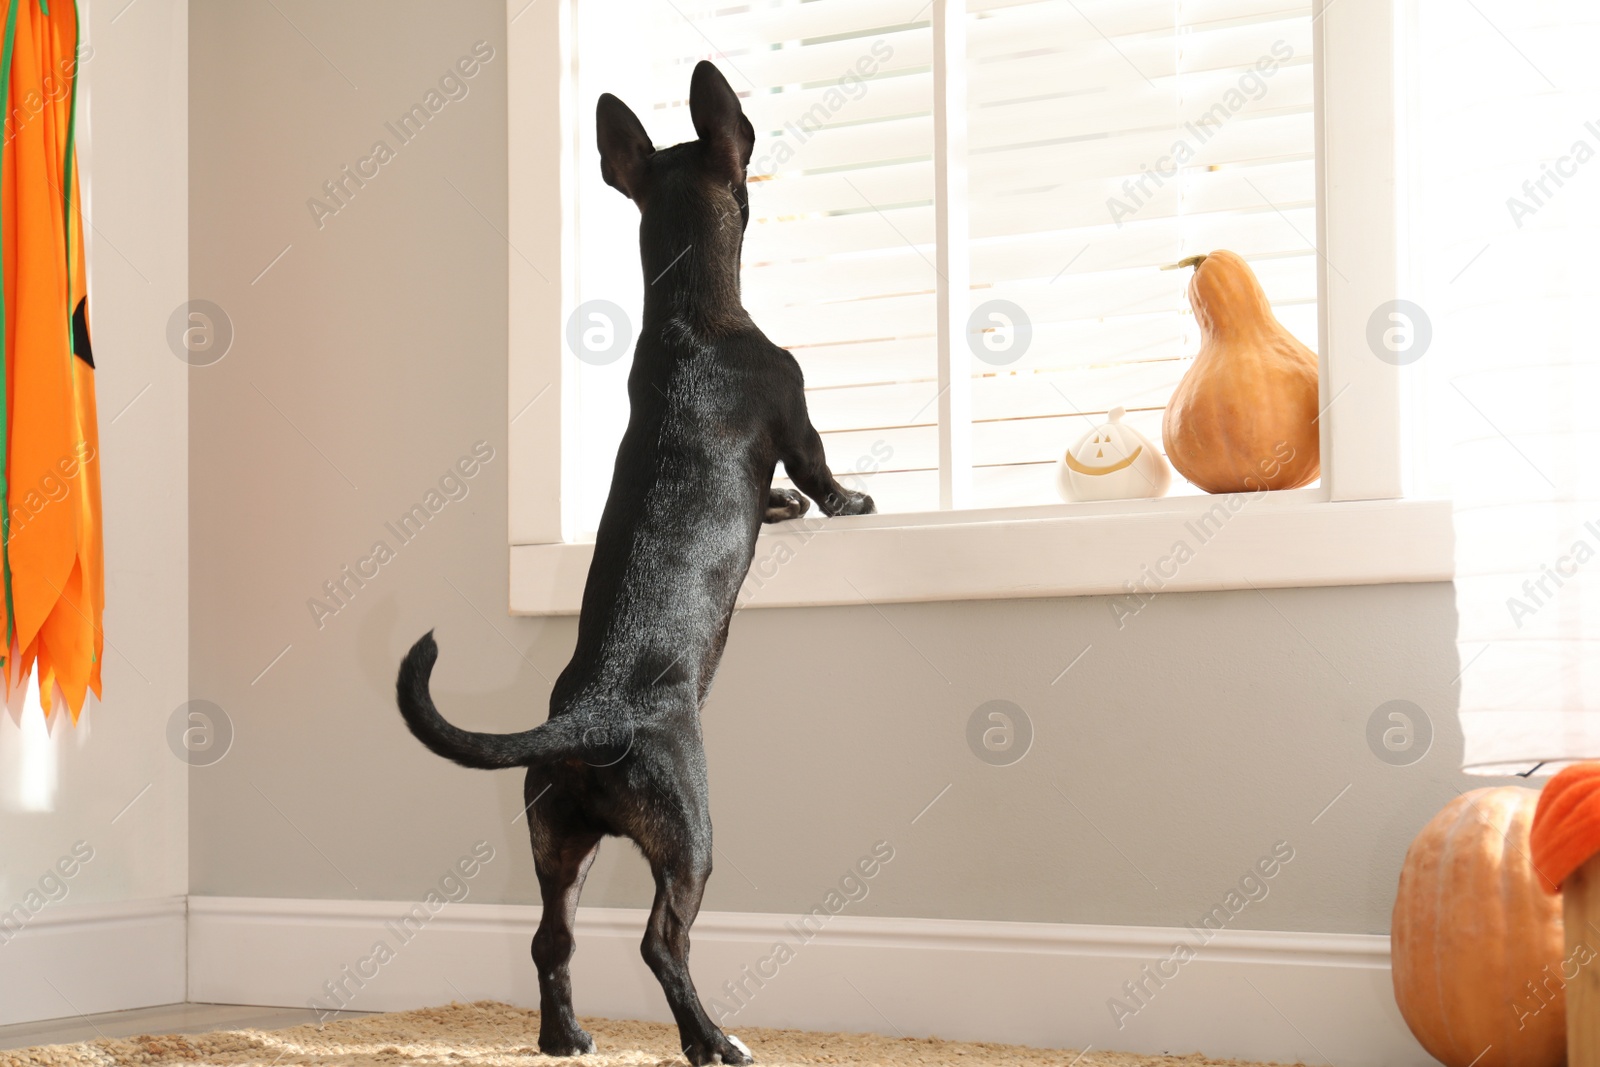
<point x="1356" y="528"/>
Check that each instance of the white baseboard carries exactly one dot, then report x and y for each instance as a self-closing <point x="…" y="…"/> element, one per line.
<point x="1253" y="995"/>
<point x="78" y="959"/>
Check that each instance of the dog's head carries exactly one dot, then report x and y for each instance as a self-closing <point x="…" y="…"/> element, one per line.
<point x="709" y="171"/>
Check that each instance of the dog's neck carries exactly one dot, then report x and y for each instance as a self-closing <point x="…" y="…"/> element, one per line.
<point x="691" y="268"/>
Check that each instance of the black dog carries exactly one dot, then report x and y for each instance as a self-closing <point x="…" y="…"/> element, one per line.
<point x="714" y="406"/>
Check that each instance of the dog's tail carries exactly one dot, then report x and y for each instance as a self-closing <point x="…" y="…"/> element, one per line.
<point x="549" y="740"/>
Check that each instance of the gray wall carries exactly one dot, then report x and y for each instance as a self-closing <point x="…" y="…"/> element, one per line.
<point x="373" y="354"/>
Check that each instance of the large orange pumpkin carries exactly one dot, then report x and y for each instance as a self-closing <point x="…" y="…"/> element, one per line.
<point x="1476" y="942"/>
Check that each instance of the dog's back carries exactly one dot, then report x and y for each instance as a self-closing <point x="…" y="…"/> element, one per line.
<point x="687" y="500"/>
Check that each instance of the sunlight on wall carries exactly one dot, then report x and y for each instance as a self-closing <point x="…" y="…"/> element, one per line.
<point x="30" y="758"/>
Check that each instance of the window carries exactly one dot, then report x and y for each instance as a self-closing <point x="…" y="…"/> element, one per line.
<point x="955" y="345"/>
<point x="1104" y="140"/>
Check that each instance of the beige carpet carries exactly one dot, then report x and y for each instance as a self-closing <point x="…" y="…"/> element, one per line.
<point x="494" y="1034"/>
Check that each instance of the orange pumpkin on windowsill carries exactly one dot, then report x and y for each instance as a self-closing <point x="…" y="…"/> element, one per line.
<point x="1244" y="417"/>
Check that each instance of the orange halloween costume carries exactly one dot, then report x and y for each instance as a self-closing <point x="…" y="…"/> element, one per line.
<point x="50" y="536"/>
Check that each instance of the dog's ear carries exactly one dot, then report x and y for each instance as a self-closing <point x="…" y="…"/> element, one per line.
<point x="624" y="146"/>
<point x="719" y="121"/>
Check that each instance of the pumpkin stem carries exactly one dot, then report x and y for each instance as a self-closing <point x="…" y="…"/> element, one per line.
<point x="1191" y="261"/>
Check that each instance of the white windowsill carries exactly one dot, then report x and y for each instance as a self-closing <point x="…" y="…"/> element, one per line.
<point x="1270" y="540"/>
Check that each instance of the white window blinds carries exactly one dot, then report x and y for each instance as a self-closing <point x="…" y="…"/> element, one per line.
<point x="1105" y="138"/>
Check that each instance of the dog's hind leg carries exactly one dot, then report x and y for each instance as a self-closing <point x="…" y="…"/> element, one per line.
<point x="562" y="864"/>
<point x="680" y="884"/>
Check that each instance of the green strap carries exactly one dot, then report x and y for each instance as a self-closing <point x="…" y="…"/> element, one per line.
<point x="67" y="191"/>
<point x="5" y="432"/>
<point x="67" y="169"/>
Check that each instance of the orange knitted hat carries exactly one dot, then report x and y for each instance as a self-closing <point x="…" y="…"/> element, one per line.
<point x="1566" y="824"/>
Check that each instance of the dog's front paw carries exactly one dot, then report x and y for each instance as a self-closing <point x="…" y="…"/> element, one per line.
<point x="573" y="1042"/>
<point x="785" y="504"/>
<point x="720" y="1048"/>
<point x="850" y="503"/>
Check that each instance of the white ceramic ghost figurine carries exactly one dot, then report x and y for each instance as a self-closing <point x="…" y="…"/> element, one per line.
<point x="1112" y="462"/>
